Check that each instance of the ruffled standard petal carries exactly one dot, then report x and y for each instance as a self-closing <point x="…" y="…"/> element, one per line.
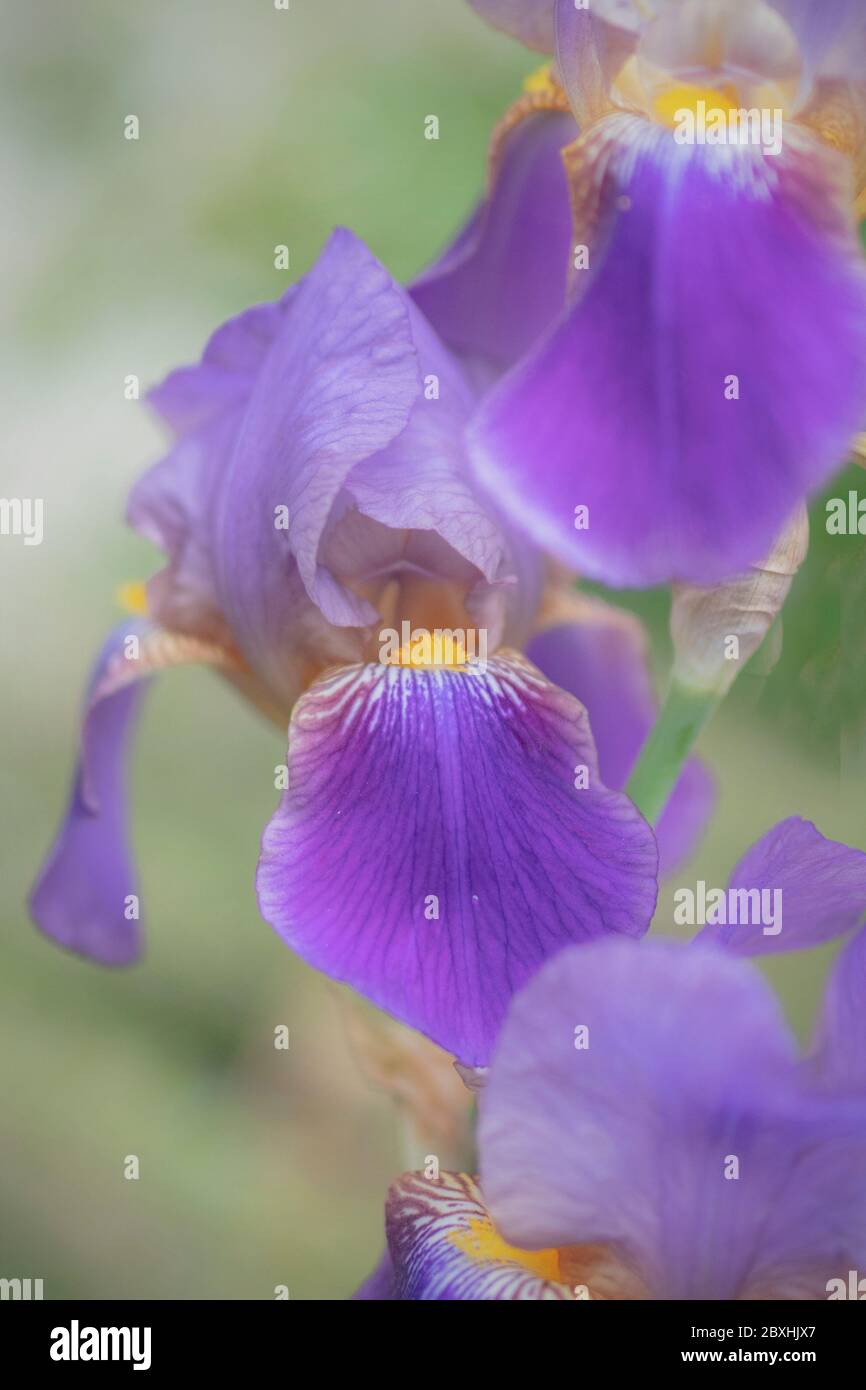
<point x="817" y="23"/>
<point x="86" y="895"/>
<point x="192" y="397"/>
<point x="320" y="470"/>
<point x="530" y="21"/>
<point x="443" y="1245"/>
<point x="502" y="284"/>
<point x="757" y="45"/>
<point x="711" y="373"/>
<point x="337" y="386"/>
<point x="177" y="505"/>
<point x="813" y="890"/>
<point x="438" y="841"/>
<point x="649" y="1098"/>
<point x="800" y="53"/>
<point x="420" y="482"/>
<point x="357" y="414"/>
<point x="600" y="657"/>
<point x="173" y="505"/>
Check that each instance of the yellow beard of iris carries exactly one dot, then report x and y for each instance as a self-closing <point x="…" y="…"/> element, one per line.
<point x="482" y="1242"/>
<point x="432" y="651"/>
<point x="682" y="96"/>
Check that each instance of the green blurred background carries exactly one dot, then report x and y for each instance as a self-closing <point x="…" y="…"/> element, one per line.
<point x="258" y="127"/>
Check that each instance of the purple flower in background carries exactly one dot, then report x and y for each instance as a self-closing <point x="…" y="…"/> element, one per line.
<point x="446" y="825"/>
<point x="708" y="368"/>
<point x="647" y="1128"/>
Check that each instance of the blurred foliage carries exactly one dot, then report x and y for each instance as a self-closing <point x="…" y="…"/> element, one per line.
<point x="258" y="127"/>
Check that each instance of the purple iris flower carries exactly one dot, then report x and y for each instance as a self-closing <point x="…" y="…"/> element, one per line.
<point x="648" y="1129"/>
<point x="445" y="826"/>
<point x="705" y="370"/>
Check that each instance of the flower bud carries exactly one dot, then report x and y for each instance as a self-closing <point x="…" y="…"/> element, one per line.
<point x="473" y="1078"/>
<point x="716" y="630"/>
<point x="415" y="1073"/>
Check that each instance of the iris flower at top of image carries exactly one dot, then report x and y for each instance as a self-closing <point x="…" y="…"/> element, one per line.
<point x="705" y="369"/>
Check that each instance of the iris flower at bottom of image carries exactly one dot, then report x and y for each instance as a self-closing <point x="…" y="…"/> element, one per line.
<point x="649" y="1130"/>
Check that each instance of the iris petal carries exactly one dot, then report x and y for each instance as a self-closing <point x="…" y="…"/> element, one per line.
<point x="503" y="282"/>
<point x="709" y="376"/>
<point x="589" y="52"/>
<point x="80" y="898"/>
<point x="601" y="659"/>
<point x="432" y="849"/>
<point x="832" y="36"/>
<point x="191" y="397"/>
<point x="822" y="885"/>
<point x="173" y="504"/>
<point x="84" y="894"/>
<point x="840" y="1053"/>
<point x="378" y="1287"/>
<point x="337" y="386"/>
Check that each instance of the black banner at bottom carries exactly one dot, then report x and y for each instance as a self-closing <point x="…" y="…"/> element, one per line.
<point x="160" y="1337"/>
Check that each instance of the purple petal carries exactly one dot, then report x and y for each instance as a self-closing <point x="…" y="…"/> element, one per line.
<point x="378" y="1287"/>
<point x="814" y="21"/>
<point x="338" y="385"/>
<point x="831" y="33"/>
<point x="173" y="504"/>
<point x="82" y="895"/>
<point x="592" y="44"/>
<point x="85" y="896"/>
<point x="420" y="482"/>
<point x="840" y="1051"/>
<point x="432" y="849"/>
<point x="192" y="397"/>
<point x="503" y="282"/>
<point x="822" y="885"/>
<point x="722" y="263"/>
<point x="443" y="1246"/>
<point x="626" y="1140"/>
<point x="601" y="659"/>
<point x="531" y="21"/>
<point x="630" y="15"/>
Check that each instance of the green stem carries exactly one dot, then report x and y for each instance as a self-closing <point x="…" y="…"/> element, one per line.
<point x="683" y="715"/>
